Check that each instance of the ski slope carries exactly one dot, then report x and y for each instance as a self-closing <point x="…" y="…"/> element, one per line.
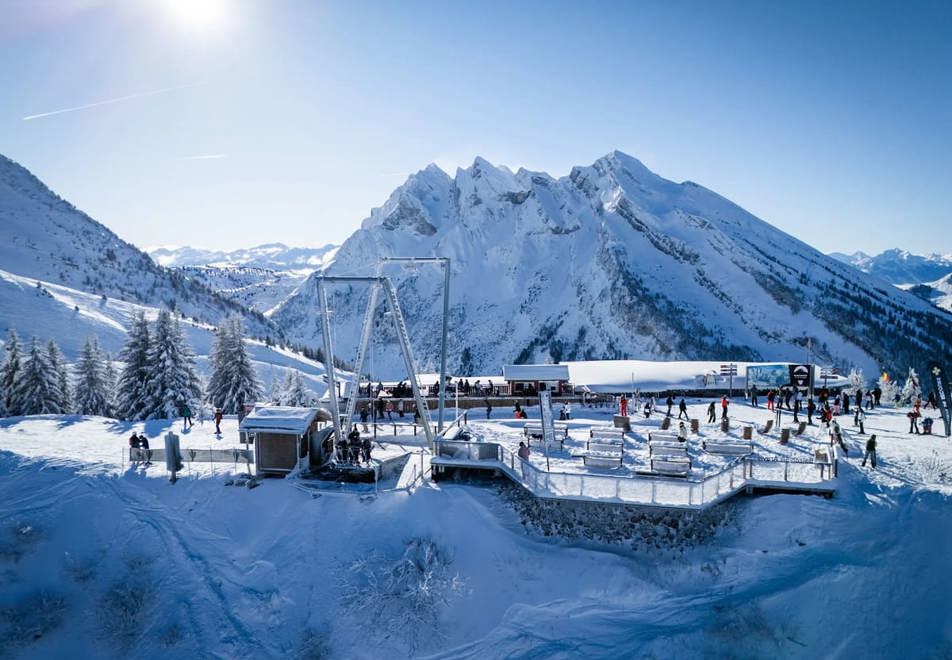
<point x="99" y="560"/>
<point x="69" y="316"/>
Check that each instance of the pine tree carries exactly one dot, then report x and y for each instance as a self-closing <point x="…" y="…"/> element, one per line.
<point x="857" y="382"/>
<point x="911" y="389"/>
<point x="172" y="380"/>
<point x="63" y="391"/>
<point x="295" y="393"/>
<point x="10" y="373"/>
<point x="233" y="381"/>
<point x="130" y="388"/>
<point x="92" y="392"/>
<point x="36" y="391"/>
<point x="888" y="389"/>
<point x="109" y="382"/>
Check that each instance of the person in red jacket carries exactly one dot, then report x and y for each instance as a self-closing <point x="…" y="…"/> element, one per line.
<point x="624" y="406"/>
<point x="724" y="403"/>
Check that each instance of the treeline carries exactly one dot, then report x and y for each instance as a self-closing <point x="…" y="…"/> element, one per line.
<point x="156" y="380"/>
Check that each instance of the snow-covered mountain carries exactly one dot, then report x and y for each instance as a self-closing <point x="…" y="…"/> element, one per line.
<point x="899" y="266"/>
<point x="270" y="256"/>
<point x="611" y="261"/>
<point x="44" y="237"/>
<point x="259" y="278"/>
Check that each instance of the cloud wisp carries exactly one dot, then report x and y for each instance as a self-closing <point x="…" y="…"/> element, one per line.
<point x="96" y="104"/>
<point x="204" y="157"/>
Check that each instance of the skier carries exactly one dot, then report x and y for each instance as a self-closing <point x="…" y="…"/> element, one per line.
<point x="186" y="413"/>
<point x="648" y="407"/>
<point x="932" y="402"/>
<point x="365" y="448"/>
<point x="670" y="402"/>
<point x="683" y="409"/>
<point x="913" y="416"/>
<point x="724" y="403"/>
<point x="133" y="444"/>
<point x="523" y="451"/>
<point x="682" y="432"/>
<point x="218" y="416"/>
<point x="858" y="417"/>
<point x="711" y="416"/>
<point x="624" y="406"/>
<point x="144" y="445"/>
<point x="489" y="409"/>
<point x="870" y="451"/>
<point x="877" y="395"/>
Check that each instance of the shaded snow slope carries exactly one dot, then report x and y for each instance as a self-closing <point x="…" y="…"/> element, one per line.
<point x="45" y="237"/>
<point x="100" y="561"/>
<point x="611" y="261"/>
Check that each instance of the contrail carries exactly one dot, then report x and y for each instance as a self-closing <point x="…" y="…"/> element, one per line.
<point x="106" y="102"/>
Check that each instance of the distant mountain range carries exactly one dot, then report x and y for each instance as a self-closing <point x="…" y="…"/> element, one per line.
<point x="927" y="276"/>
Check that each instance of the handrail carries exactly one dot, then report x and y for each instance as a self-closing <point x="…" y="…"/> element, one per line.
<point x="464" y="416"/>
<point x="653" y="490"/>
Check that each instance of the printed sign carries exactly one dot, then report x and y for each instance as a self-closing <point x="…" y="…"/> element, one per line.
<point x="943" y="395"/>
<point x="801" y="375"/>
<point x="548" y="424"/>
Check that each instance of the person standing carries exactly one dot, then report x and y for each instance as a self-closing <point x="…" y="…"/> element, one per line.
<point x="753" y="396"/>
<point x="870" y="451"/>
<point x="523" y="451"/>
<point x="913" y="416"/>
<point x="811" y="409"/>
<point x="365" y="447"/>
<point x="623" y="406"/>
<point x="186" y="416"/>
<point x="389" y="410"/>
<point x="711" y="416"/>
<point x="144" y="445"/>
<point x="489" y="409"/>
<point x="858" y="418"/>
<point x="796" y="410"/>
<point x="724" y="403"/>
<point x="218" y="418"/>
<point x="770" y="399"/>
<point x="683" y="409"/>
<point x="568" y="410"/>
<point x="670" y="402"/>
<point x="133" y="444"/>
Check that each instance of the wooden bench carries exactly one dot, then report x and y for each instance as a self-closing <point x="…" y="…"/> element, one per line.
<point x="606" y="434"/>
<point x="663" y="448"/>
<point x="663" y="437"/>
<point x="534" y="430"/>
<point x="605" y="444"/>
<point x="766" y="429"/>
<point x="667" y="466"/>
<point x="723" y="447"/>
<point x="602" y="459"/>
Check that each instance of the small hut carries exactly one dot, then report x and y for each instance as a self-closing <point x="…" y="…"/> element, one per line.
<point x="281" y="435"/>
<point x="528" y="379"/>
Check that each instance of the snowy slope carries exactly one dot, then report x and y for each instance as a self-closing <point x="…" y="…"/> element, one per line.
<point x="260" y="289"/>
<point x="612" y="261"/>
<point x="46" y="238"/>
<point x="68" y="316"/>
<point x="100" y="560"/>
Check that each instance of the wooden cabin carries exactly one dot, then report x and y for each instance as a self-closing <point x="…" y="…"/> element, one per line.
<point x="281" y="436"/>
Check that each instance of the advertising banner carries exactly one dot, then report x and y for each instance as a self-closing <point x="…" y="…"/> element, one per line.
<point x="548" y="424"/>
<point x="801" y="376"/>
<point x="943" y="394"/>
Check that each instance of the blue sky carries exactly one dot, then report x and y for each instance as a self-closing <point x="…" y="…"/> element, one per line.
<point x="247" y="121"/>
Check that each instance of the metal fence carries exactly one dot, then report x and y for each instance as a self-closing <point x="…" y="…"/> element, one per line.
<point x="191" y="456"/>
<point x="741" y="472"/>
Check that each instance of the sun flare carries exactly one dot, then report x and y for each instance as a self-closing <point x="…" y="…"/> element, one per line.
<point x="198" y="15"/>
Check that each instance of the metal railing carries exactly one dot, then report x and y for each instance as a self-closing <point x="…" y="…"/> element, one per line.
<point x="646" y="490"/>
<point x="190" y="456"/>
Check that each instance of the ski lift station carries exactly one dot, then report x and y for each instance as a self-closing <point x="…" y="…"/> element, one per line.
<point x="593" y="452"/>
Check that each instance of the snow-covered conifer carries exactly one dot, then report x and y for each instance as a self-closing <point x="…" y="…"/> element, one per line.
<point x="911" y="388"/>
<point x="172" y="380"/>
<point x="233" y="381"/>
<point x="37" y="389"/>
<point x="63" y="391"/>
<point x="888" y="389"/>
<point x="295" y="393"/>
<point x="10" y="373"/>
<point x="130" y="387"/>
<point x="92" y="391"/>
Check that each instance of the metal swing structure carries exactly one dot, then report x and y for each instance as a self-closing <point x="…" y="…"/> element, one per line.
<point x="376" y="282"/>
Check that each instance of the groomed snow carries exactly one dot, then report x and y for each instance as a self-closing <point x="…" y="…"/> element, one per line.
<point x="100" y="560"/>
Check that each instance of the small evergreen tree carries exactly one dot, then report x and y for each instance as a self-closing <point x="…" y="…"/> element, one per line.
<point x="295" y="393"/>
<point x="130" y="388"/>
<point x="109" y="383"/>
<point x="911" y="389"/>
<point x="36" y="391"/>
<point x="92" y="391"/>
<point x="10" y="373"/>
<point x="233" y="381"/>
<point x="888" y="389"/>
<point x="172" y="380"/>
<point x="63" y="391"/>
<point x="857" y="382"/>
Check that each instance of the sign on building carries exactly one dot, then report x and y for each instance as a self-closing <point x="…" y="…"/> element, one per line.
<point x="801" y="376"/>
